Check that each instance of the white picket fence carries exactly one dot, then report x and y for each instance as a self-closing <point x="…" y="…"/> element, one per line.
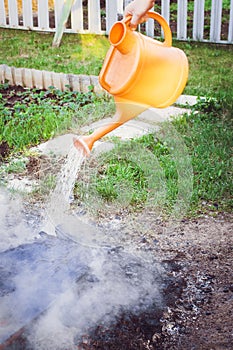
<point x="97" y="16"/>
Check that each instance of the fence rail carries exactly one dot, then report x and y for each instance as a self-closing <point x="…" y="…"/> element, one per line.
<point x="189" y="20"/>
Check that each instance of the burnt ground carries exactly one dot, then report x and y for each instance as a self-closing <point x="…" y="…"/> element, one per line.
<point x="197" y="288"/>
<point x="198" y="295"/>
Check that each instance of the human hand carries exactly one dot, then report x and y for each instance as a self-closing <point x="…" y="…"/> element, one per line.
<point x="138" y="9"/>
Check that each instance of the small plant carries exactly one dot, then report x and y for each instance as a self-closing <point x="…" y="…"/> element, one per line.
<point x="210" y="105"/>
<point x="13" y="166"/>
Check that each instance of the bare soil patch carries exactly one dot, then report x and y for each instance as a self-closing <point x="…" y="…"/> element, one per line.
<point x="198" y="253"/>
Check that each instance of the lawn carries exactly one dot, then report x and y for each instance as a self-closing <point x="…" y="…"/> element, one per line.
<point x="210" y="65"/>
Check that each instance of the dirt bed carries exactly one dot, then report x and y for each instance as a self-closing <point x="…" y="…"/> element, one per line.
<point x="200" y="299"/>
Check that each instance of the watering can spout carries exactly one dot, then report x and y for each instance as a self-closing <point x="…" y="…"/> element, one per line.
<point x="125" y="111"/>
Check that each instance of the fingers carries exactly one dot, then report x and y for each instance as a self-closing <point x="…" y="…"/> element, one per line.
<point x="138" y="10"/>
<point x="134" y="21"/>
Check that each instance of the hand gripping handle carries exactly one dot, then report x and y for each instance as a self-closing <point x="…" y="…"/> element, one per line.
<point x="161" y="20"/>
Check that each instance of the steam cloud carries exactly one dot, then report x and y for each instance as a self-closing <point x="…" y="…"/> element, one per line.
<point x="60" y="289"/>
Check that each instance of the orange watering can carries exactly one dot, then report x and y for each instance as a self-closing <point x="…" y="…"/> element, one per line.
<point x="140" y="73"/>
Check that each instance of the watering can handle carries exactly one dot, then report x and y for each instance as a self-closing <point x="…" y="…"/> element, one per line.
<point x="161" y="20"/>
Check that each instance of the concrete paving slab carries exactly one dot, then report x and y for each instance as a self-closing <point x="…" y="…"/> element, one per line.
<point x="156" y="115"/>
<point x="58" y="146"/>
<point x="187" y="100"/>
<point x="146" y="122"/>
<point x="132" y="128"/>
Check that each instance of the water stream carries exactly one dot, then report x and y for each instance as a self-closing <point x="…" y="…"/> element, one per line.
<point x="59" y="200"/>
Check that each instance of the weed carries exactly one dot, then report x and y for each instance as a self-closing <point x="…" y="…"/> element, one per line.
<point x="15" y="165"/>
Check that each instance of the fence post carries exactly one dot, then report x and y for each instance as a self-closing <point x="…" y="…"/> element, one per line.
<point x="27" y="14"/>
<point x="215" y="20"/>
<point x="2" y="14"/>
<point x="13" y="13"/>
<point x="182" y="19"/>
<point x="57" y="11"/>
<point x="150" y="26"/>
<point x="165" y="11"/>
<point x="77" y="16"/>
<point x="43" y="14"/>
<point x="198" y="19"/>
<point x="111" y="14"/>
<point x="230" y="29"/>
<point x="94" y="18"/>
<point x="120" y="6"/>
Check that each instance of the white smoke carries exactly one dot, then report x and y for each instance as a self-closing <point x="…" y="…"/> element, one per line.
<point x="14" y="228"/>
<point x="108" y="289"/>
<point x="60" y="289"/>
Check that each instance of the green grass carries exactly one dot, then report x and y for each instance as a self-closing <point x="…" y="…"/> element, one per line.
<point x="185" y="168"/>
<point x="112" y="180"/>
<point x="78" y="54"/>
<point x="207" y="132"/>
<point x="210" y="69"/>
<point x="116" y="171"/>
